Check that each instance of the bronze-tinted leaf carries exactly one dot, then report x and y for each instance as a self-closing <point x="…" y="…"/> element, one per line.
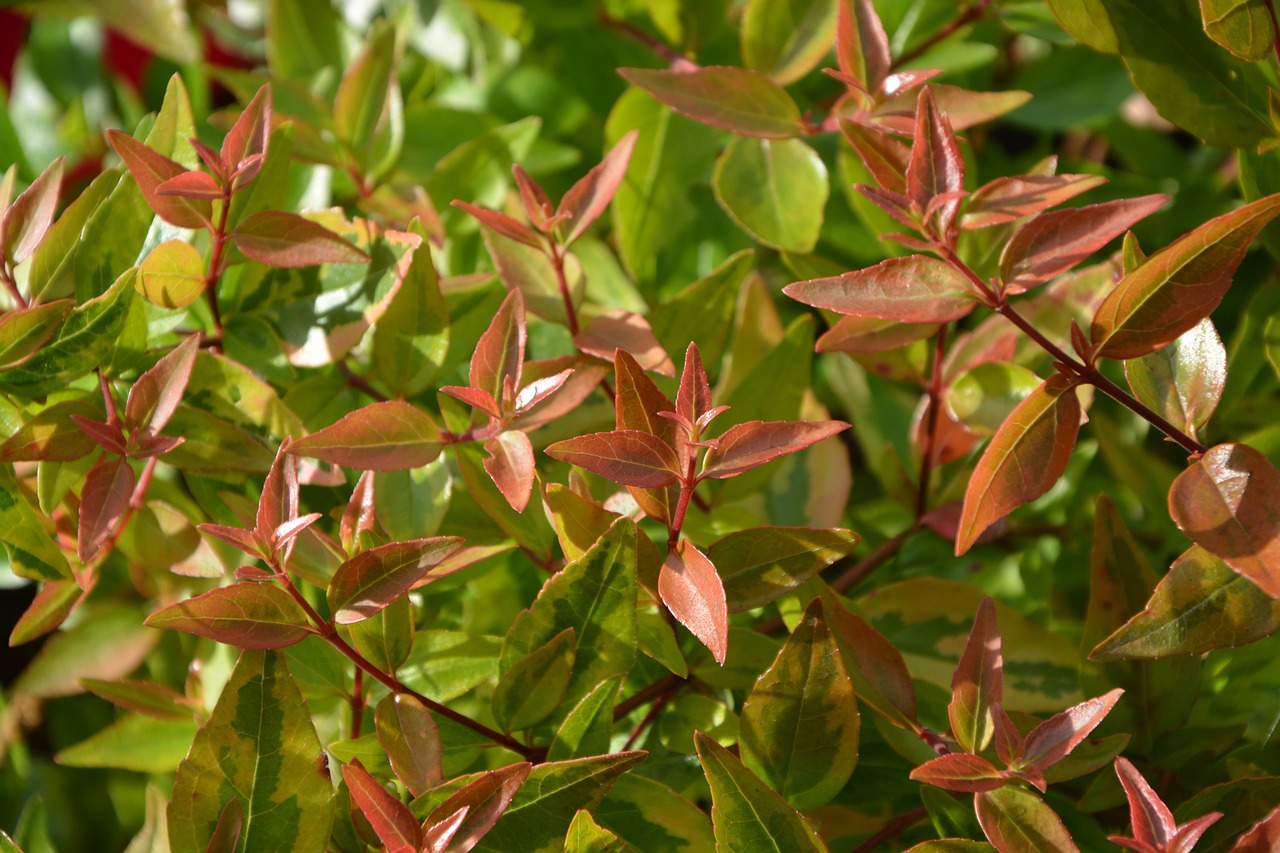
<point x="617" y="329"/>
<point x="875" y="666"/>
<point x="913" y="289"/>
<point x="978" y="684"/>
<point x="372" y="579"/>
<point x="1017" y="821"/>
<point x="391" y="436"/>
<point x="1025" y="458"/>
<point x="25" y="223"/>
<point x="1228" y="503"/>
<point x="752" y="444"/>
<point x="625" y="456"/>
<point x="1056" y="241"/>
<point x="513" y="229"/>
<point x="510" y="464"/>
<point x="151" y="169"/>
<point x="391" y="819"/>
<point x="959" y="771"/>
<point x="1151" y="819"/>
<point x="250" y="134"/>
<point x="936" y="169"/>
<point x="730" y="98"/>
<point x="588" y="198"/>
<point x="862" y="48"/>
<point x="107" y="489"/>
<point x="155" y="394"/>
<point x="487" y="797"/>
<point x="191" y="185"/>
<point x="411" y="738"/>
<point x="1178" y="286"/>
<point x="1052" y="740"/>
<point x="884" y="155"/>
<point x="499" y="355"/>
<point x="1006" y="199"/>
<point x="278" y="238"/>
<point x="691" y="589"/>
<point x="249" y="615"/>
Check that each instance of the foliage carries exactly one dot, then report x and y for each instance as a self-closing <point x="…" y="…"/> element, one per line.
<point x="415" y="435"/>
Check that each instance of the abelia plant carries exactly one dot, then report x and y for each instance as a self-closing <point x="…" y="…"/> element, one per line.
<point x="353" y="499"/>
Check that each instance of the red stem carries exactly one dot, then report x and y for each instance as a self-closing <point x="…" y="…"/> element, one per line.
<point x="330" y="635"/>
<point x="674" y="58"/>
<point x="354" y="380"/>
<point x="929" y="451"/>
<point x="108" y="401"/>
<point x="968" y="16"/>
<point x="892" y="829"/>
<point x="667" y="684"/>
<point x="571" y="314"/>
<point x="211" y="276"/>
<point x="1275" y="29"/>
<point x="357" y="703"/>
<point x="6" y="276"/>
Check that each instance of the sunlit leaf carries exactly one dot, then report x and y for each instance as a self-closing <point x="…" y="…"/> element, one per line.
<point x="248" y="615"/>
<point x="737" y="99"/>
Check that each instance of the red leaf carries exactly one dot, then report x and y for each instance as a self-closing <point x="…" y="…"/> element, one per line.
<point x="872" y="659"/>
<point x="871" y="334"/>
<point x="151" y="169"/>
<point x="1009" y="741"/>
<point x="235" y="536"/>
<point x="530" y="396"/>
<point x="249" y="615"/>
<point x="1056" y="241"/>
<point x="391" y="436"/>
<point x="391" y="819"/>
<point x="1052" y="740"/>
<point x="191" y="184"/>
<point x="1006" y="199"/>
<point x="27" y="220"/>
<point x="962" y="107"/>
<point x="958" y="771"/>
<point x="1228" y="502"/>
<point x="371" y="580"/>
<point x="156" y="394"/>
<point x="105" y="497"/>
<point x="1189" y="833"/>
<point x="730" y="98"/>
<point x="936" y="167"/>
<point x="499" y="355"/>
<point x="636" y="404"/>
<point x="438" y="836"/>
<point x="359" y="515"/>
<point x="588" y="198"/>
<point x="752" y="444"/>
<point x="107" y="436"/>
<point x="212" y="159"/>
<point x="411" y="738"/>
<point x="474" y="397"/>
<point x="690" y="587"/>
<point x="249" y="136"/>
<point x="226" y="833"/>
<point x="486" y="798"/>
<point x="55" y="601"/>
<point x="862" y="48"/>
<point x="978" y="683"/>
<point x="1017" y="821"/>
<point x="913" y="289"/>
<point x="279" y="500"/>
<point x="281" y="239"/>
<point x="693" y="398"/>
<point x="1178" y="286"/>
<point x="618" y="329"/>
<point x="1025" y="458"/>
<point x="534" y="199"/>
<point x="885" y="157"/>
<point x="1262" y="837"/>
<point x="893" y="203"/>
<point x="625" y="456"/>
<point x="503" y="224"/>
<point x="510" y="464"/>
<point x="1152" y="821"/>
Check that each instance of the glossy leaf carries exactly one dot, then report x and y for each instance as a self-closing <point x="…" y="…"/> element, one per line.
<point x="108" y="488"/>
<point x="249" y="615"/>
<point x="1007" y="199"/>
<point x="1151" y="819"/>
<point x="692" y="590"/>
<point x="1056" y="241"/>
<point x="24" y="331"/>
<point x="391" y="819"/>
<point x="155" y="394"/>
<point x="172" y="275"/>
<point x="499" y="355"/>
<point x="411" y="739"/>
<point x="625" y="456"/>
<point x="774" y="189"/>
<point x="982" y="398"/>
<point x="51" y="435"/>
<point x="282" y="239"/>
<point x="875" y="667"/>
<point x="586" y="836"/>
<point x="191" y="185"/>
<point x="587" y="199"/>
<point x="372" y="579"/>
<point x="1055" y="738"/>
<point x="747" y="814"/>
<point x="936" y="169"/>
<point x="150" y="169"/>
<point x="1183" y="381"/>
<point x="1228" y="502"/>
<point x="1178" y="286"/>
<point x="914" y="289"/>
<point x="510" y="464"/>
<point x="978" y="684"/>
<point x="587" y="728"/>
<point x="958" y="771"/>
<point x="512" y="229"/>
<point x="760" y="565"/>
<point x="391" y="436"/>
<point x="737" y="99"/>
<point x="637" y="402"/>
<point x="800" y="722"/>
<point x="862" y="48"/>
<point x="1200" y="605"/>
<point x="531" y="689"/>
<point x="1025" y="458"/>
<point x="1017" y="821"/>
<point x="411" y="338"/>
<point x="27" y="220"/>
<point x="749" y="445"/>
<point x="485" y="798"/>
<point x="250" y="134"/>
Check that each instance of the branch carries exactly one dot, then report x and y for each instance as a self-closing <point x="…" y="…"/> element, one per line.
<point x="968" y="16"/>
<point x="674" y="58"/>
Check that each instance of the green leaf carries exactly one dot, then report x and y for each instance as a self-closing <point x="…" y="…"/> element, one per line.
<point x="260" y="747"/>
<point x="978" y="685"/>
<point x="1017" y="821"/>
<point x="390" y="436"/>
<point x="786" y="40"/>
<point x="85" y="341"/>
<point x="736" y="99"/>
<point x="775" y="189"/>
<point x="1087" y="22"/>
<point x="650" y="816"/>
<point x="214" y="446"/>
<point x="982" y="398"/>
<point x="33" y="552"/>
<point x="362" y="95"/>
<point x="1192" y="81"/>
<point x="134" y="742"/>
<point x="24" y="331"/>
<point x="247" y="614"/>
<point x="541" y="811"/>
<point x="302" y="38"/>
<point x="386" y="638"/>
<point x="760" y="565"/>
<point x="1183" y="381"/>
<point x="1241" y="26"/>
<point x="106" y="642"/>
<point x="875" y="667"/>
<point x="531" y="688"/>
<point x="411" y="338"/>
<point x="585" y="836"/>
<point x="800" y="723"/>
<point x="746" y="813"/>
<point x="1178" y="286"/>
<point x="1200" y="605"/>
<point x="652" y="204"/>
<point x="159" y="25"/>
<point x="446" y="664"/>
<point x="172" y="275"/>
<point x="530" y="529"/>
<point x="412" y="741"/>
<point x="586" y="729"/>
<point x="596" y="596"/>
<point x="703" y="310"/>
<point x="530" y="271"/>
<point x="52" y="268"/>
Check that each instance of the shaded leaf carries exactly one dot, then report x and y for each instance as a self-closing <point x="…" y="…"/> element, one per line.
<point x="625" y="456"/>
<point x="978" y="684"/>
<point x="391" y="436"/>
<point x="51" y="435"/>
<point x="628" y="331"/>
<point x="759" y="565"/>
<point x="248" y="615"/>
<point x="913" y="289"/>
<point x="411" y="338"/>
<point x="786" y="40"/>
<point x="1241" y="26"/>
<point x="362" y="94"/>
<point x="1151" y="819"/>
<point x="586" y="729"/>
<point x="532" y="687"/>
<point x="1017" y="821"/>
<point x="958" y="771"/>
<point x="875" y="667"/>
<point x="281" y="239"/>
<point x="1262" y="837"/>
<point x="108" y="488"/>
<point x="1025" y="458"/>
<point x="411" y="738"/>
<point x="693" y="592"/>
<point x="372" y="579"/>
<point x="737" y="99"/>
